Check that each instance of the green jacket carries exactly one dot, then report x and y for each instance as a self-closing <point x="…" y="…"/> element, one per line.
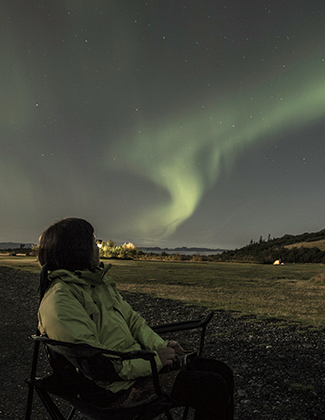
<point x="85" y="307"/>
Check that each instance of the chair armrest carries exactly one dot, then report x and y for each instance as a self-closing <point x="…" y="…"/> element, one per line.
<point x="85" y="350"/>
<point x="184" y="325"/>
<point x="81" y="350"/>
<point x="187" y="325"/>
<point x="67" y="349"/>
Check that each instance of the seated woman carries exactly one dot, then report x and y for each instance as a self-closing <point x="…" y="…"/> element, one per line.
<point x="81" y="305"/>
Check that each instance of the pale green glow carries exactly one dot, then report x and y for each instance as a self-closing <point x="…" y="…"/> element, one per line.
<point x="185" y="156"/>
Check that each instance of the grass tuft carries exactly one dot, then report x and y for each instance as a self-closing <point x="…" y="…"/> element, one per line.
<point x="318" y="280"/>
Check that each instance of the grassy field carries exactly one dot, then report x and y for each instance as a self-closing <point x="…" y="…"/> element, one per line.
<point x="317" y="244"/>
<point x="295" y="292"/>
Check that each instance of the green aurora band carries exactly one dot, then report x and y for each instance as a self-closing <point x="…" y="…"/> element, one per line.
<point x="185" y="156"/>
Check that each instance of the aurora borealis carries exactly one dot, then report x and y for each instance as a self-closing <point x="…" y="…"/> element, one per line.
<point x="163" y="123"/>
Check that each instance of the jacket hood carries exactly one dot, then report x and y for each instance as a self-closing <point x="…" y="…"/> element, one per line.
<point x="81" y="276"/>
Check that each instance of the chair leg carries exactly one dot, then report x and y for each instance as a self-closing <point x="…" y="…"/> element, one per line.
<point x="52" y="409"/>
<point x="168" y="414"/>
<point x="185" y="413"/>
<point x="71" y="414"/>
<point x="29" y="402"/>
<point x="32" y="378"/>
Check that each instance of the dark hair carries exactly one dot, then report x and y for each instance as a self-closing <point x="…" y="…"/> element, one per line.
<point x="68" y="244"/>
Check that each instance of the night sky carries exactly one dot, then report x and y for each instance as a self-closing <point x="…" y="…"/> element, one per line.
<point x="164" y="123"/>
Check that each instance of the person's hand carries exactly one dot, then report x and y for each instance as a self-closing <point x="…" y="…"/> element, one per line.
<point x="177" y="347"/>
<point x="167" y="355"/>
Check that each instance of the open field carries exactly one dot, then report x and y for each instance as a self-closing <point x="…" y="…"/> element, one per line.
<point x="294" y="292"/>
<point x="20" y="262"/>
<point x="278" y="364"/>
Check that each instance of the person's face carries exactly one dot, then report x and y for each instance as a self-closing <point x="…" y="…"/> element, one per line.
<point x="95" y="257"/>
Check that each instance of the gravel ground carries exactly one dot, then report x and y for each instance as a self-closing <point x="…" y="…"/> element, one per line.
<point x="279" y="367"/>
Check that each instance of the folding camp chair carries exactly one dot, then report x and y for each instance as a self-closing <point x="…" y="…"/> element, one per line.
<point x="53" y="386"/>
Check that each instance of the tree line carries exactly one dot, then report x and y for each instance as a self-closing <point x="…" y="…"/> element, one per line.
<point x="261" y="251"/>
<point x="267" y="251"/>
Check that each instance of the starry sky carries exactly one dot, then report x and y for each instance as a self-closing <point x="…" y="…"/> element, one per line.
<point x="164" y="123"/>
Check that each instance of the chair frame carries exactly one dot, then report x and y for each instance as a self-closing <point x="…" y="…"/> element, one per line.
<point x="160" y="404"/>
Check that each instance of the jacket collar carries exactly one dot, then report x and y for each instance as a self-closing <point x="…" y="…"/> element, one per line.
<point x="81" y="276"/>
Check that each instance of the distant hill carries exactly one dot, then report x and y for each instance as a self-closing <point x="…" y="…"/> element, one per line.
<point x="303" y="248"/>
<point x="182" y="250"/>
<point x="14" y="245"/>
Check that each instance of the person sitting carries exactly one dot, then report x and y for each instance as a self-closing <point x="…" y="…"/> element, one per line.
<point x="82" y="305"/>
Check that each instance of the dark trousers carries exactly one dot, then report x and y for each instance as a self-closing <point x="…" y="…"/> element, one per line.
<point x="208" y="387"/>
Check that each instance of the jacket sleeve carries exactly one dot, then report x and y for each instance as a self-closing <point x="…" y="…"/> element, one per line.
<point x="140" y="330"/>
<point x="145" y="337"/>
